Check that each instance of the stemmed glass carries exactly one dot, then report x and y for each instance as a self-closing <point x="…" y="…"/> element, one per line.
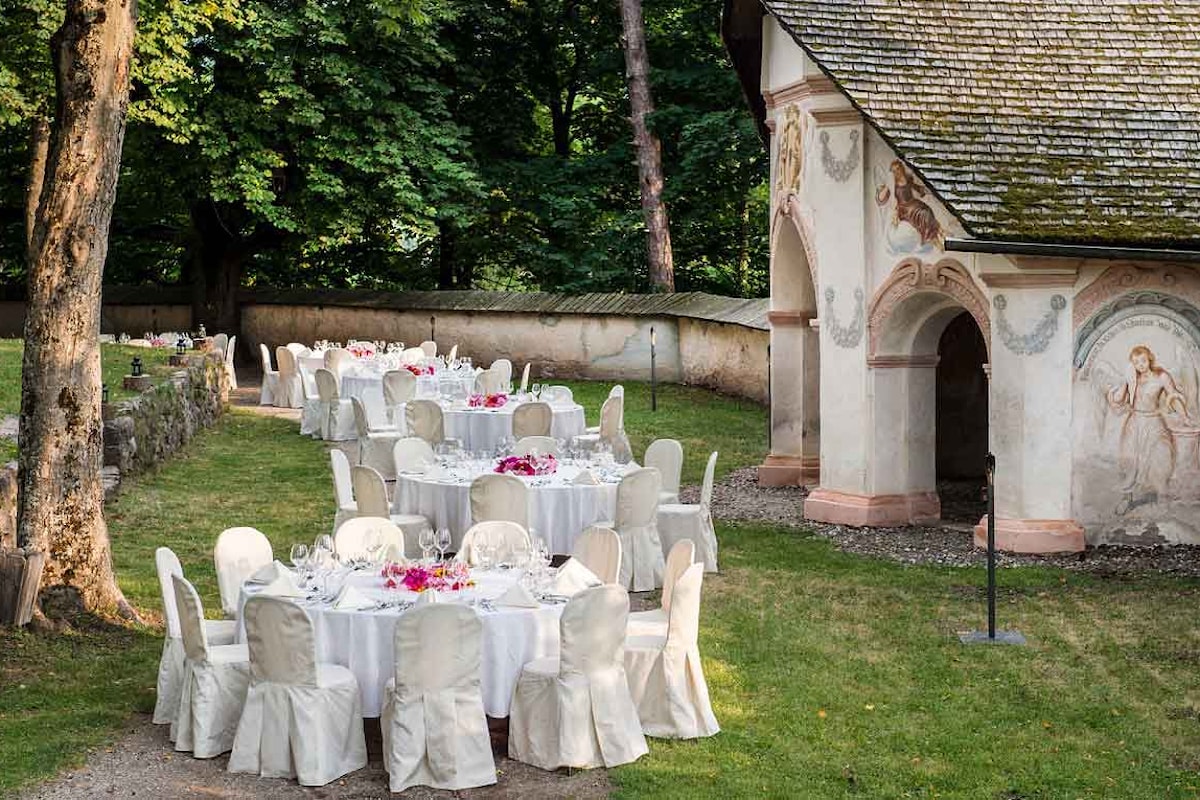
<point x="536" y="391"/>
<point x="443" y="542"/>
<point x="373" y="544"/>
<point x="322" y="551"/>
<point x="426" y="540"/>
<point x="300" y="559"/>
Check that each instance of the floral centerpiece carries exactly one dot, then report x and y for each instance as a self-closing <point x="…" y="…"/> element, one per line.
<point x="528" y="465"/>
<point x="361" y="349"/>
<point x="449" y="577"/>
<point x="418" y="370"/>
<point x="487" y="400"/>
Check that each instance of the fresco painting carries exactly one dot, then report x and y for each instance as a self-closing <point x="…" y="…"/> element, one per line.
<point x="908" y="223"/>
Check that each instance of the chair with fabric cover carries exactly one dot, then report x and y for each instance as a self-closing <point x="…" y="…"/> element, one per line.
<point x="220" y="342"/>
<point x="413" y="455"/>
<point x="641" y="551"/>
<point x="489" y="381"/>
<point x="532" y="419"/>
<point x="337" y="359"/>
<point x="215" y="680"/>
<point x="599" y="549"/>
<point x="370" y="493"/>
<point x="453" y="354"/>
<point x="170" y="666"/>
<point x="374" y="446"/>
<point x="412" y="355"/>
<point x="678" y="521"/>
<point x="337" y="415"/>
<point x="343" y="492"/>
<point x="504" y="367"/>
<point x="611" y="430"/>
<point x="230" y="350"/>
<point x="665" y="675"/>
<point x="350" y="540"/>
<point x="433" y="724"/>
<point x="666" y="456"/>
<point x="562" y="394"/>
<point x="239" y="553"/>
<point x="576" y="710"/>
<point x="425" y="420"/>
<point x="510" y="540"/>
<point x="500" y="496"/>
<point x="310" y="412"/>
<point x="525" y="378"/>
<point x="653" y="622"/>
<point x="289" y="392"/>
<point x="429" y="348"/>
<point x="270" y="378"/>
<point x="302" y="719"/>
<point x="298" y="349"/>
<point x="542" y="444"/>
<point x="399" y="386"/>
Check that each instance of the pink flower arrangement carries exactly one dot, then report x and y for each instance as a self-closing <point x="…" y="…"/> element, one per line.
<point x="158" y="341"/>
<point x="361" y="349"/>
<point x="449" y="577"/>
<point x="528" y="465"/>
<point x="487" y="400"/>
<point x="418" y="370"/>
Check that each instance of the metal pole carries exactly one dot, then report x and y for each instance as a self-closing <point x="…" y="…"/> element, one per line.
<point x="432" y="329"/>
<point x="991" y="544"/>
<point x="653" y="372"/>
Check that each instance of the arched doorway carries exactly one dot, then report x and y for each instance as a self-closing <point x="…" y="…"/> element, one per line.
<point x="961" y="389"/>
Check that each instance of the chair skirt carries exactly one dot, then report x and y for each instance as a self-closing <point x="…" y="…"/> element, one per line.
<point x="289" y="393"/>
<point x="170" y="667"/>
<point x="641" y="559"/>
<point x="270" y="387"/>
<point x="669" y="689"/>
<point x="337" y="425"/>
<point x="647" y="623"/>
<point x="693" y="522"/>
<point x="310" y="418"/>
<point x="375" y="450"/>
<point x="437" y="739"/>
<point x="210" y="701"/>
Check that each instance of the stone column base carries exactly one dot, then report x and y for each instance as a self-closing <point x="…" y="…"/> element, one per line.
<point x="790" y="471"/>
<point x="1033" y="535"/>
<point x="880" y="510"/>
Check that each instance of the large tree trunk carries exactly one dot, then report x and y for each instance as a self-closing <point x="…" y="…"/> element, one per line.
<point x="60" y="504"/>
<point x="649" y="150"/>
<point x="39" y="148"/>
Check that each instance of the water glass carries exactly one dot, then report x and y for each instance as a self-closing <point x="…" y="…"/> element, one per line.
<point x="443" y="542"/>
<point x="426" y="541"/>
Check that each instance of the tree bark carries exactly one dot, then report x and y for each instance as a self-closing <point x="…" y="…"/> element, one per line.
<point x="39" y="148"/>
<point x="60" y="503"/>
<point x="649" y="150"/>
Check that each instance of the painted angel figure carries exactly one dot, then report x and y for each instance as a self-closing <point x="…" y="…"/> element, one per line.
<point x="1147" y="451"/>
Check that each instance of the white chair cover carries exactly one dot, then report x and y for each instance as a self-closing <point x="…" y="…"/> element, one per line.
<point x="311" y="413"/>
<point x="270" y="378"/>
<point x="525" y="379"/>
<point x="434" y="729"/>
<point x="510" y="540"/>
<point x="576" y="710"/>
<point x="542" y="444"/>
<point x="215" y="680"/>
<point x="489" y="381"/>
<point x="350" y="540"/>
<point x="374" y="446"/>
<point x="220" y="344"/>
<point x="302" y="719"/>
<point x="298" y="349"/>
<point x="239" y="553"/>
<point x="412" y="355"/>
<point x="452" y="355"/>
<point x="612" y="428"/>
<point x="641" y="551"/>
<point x="532" y="419"/>
<point x="337" y="359"/>
<point x="424" y="419"/>
<point x="230" y="350"/>
<point x="337" y="415"/>
<point x="370" y="492"/>
<point x="503" y="367"/>
<point x="666" y="456"/>
<point x="429" y="348"/>
<point x="289" y="393"/>
<point x="500" y="496"/>
<point x="413" y="454"/>
<point x="599" y="549"/>
<point x="653" y="622"/>
<point x="665" y="674"/>
<point x="399" y="386"/>
<point x="170" y="666"/>
<point x="677" y="522"/>
<point x="343" y="492"/>
<point x="562" y="394"/>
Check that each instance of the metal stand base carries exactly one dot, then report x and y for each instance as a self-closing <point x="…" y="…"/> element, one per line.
<point x="1002" y="637"/>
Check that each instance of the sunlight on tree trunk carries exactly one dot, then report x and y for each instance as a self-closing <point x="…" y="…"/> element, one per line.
<point x="649" y="150"/>
<point x="61" y="499"/>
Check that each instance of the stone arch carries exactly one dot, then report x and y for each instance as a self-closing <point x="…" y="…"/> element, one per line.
<point x="919" y="292"/>
<point x="790" y="211"/>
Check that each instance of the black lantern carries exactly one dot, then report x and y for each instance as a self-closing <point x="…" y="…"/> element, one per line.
<point x="180" y="346"/>
<point x="104" y="393"/>
<point x="136" y="366"/>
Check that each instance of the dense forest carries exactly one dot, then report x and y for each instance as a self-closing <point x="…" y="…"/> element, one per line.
<point x="405" y="144"/>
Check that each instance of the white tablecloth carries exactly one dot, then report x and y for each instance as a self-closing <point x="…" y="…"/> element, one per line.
<point x="363" y="640"/>
<point x="558" y="509"/>
<point x="483" y="428"/>
<point x="360" y="382"/>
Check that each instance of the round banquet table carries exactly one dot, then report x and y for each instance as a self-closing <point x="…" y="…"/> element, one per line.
<point x="484" y="428"/>
<point x="363" y="641"/>
<point x="559" y="510"/>
<point x="362" y="382"/>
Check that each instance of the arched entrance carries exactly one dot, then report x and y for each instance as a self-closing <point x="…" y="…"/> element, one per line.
<point x="961" y="420"/>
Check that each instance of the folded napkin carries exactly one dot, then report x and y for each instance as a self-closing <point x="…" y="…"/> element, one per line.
<point x="352" y="599"/>
<point x="517" y="596"/>
<point x="573" y="577"/>
<point x="427" y="597"/>
<point x="586" y="478"/>
<point x="270" y="573"/>
<point x="283" y="586"/>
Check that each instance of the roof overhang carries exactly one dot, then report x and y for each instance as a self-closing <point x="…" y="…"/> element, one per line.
<point x="1052" y="250"/>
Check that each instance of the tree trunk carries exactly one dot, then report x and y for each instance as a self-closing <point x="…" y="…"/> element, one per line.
<point x="39" y="148"/>
<point x="222" y="261"/>
<point x="649" y="150"/>
<point x="743" y="261"/>
<point x="60" y="504"/>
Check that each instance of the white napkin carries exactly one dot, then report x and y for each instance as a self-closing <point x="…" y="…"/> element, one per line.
<point x="427" y="597"/>
<point x="517" y="596"/>
<point x="586" y="478"/>
<point x="352" y="599"/>
<point x="573" y="577"/>
<point x="270" y="573"/>
<point x="283" y="586"/>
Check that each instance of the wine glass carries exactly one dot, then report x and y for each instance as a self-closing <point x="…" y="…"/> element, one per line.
<point x="443" y="542"/>
<point x="322" y="550"/>
<point x="536" y="390"/>
<point x="299" y="555"/>
<point x="373" y="544"/>
<point x="426" y="540"/>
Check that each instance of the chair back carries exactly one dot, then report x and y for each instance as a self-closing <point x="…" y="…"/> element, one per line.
<point x="562" y="394"/>
<point x="429" y="348"/>
<point x="612" y="417"/>
<point x="599" y="549"/>
<point x="637" y="498"/>
<point x="453" y="354"/>
<point x="617" y="391"/>
<point x="681" y="556"/>
<point x="509" y="539"/>
<point x="525" y="379"/>
<point x="500" y="496"/>
<point x="413" y="454"/>
<point x="286" y="360"/>
<point x="425" y="420"/>
<point x="532" y="419"/>
<point x="221" y="343"/>
<point x="283" y="647"/>
<point x="504" y="367"/>
<point x="230" y="350"/>
<point x="666" y="456"/>
<point x="298" y="349"/>
<point x="683" y="620"/>
<point x="592" y="629"/>
<point x="350" y="540"/>
<point x="266" y="359"/>
<point x="191" y="619"/>
<point x="370" y="492"/>
<point x="343" y="493"/>
<point x="542" y="444"/>
<point x="361" y="426"/>
<point x="399" y="386"/>
<point x="327" y="386"/>
<point x="167" y="565"/>
<point x="240" y="552"/>
<point x="706" y="488"/>
<point x="336" y="359"/>
<point x="412" y="355"/>
<point x="489" y="381"/>
<point x="438" y="646"/>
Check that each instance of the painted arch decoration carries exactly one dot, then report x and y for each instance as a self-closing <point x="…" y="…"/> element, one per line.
<point x="911" y="277"/>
